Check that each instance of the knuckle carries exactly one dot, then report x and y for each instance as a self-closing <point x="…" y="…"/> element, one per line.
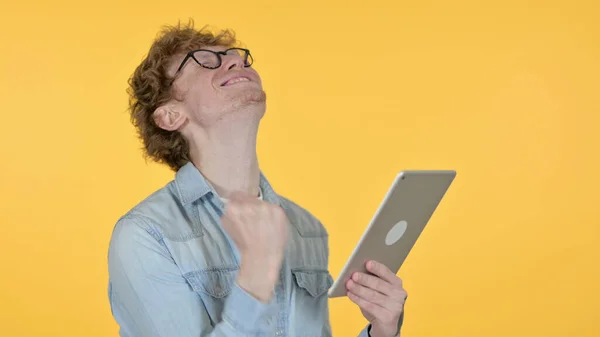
<point x="399" y="294"/>
<point x="233" y="206"/>
<point x="230" y="213"/>
<point x="375" y="282"/>
<point x="278" y="212"/>
<point x="267" y="208"/>
<point x="248" y="206"/>
<point x="362" y="278"/>
<point x="372" y="295"/>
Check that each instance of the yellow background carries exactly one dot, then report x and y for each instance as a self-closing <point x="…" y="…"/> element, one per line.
<point x="505" y="93"/>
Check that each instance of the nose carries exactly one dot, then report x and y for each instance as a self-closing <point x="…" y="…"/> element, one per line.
<point x="233" y="61"/>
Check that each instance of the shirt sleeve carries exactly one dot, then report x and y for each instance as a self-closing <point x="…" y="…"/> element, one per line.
<point x="366" y="331"/>
<point x="150" y="298"/>
<point x="327" y="331"/>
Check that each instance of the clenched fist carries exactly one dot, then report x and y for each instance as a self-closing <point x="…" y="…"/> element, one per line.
<point x="260" y="231"/>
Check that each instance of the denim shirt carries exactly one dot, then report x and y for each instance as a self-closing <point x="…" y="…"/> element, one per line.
<point x="173" y="270"/>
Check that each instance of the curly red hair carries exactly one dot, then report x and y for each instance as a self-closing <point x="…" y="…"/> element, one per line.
<point x="150" y="87"/>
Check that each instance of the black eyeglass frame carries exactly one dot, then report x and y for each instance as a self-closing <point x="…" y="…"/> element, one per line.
<point x="247" y="56"/>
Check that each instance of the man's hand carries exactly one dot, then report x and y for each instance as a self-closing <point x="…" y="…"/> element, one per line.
<point x="259" y="230"/>
<point x="380" y="297"/>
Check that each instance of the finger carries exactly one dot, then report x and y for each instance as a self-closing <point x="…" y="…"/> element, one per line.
<point x="378" y="312"/>
<point x="383" y="272"/>
<point x="373" y="296"/>
<point x="373" y="282"/>
<point x="395" y="292"/>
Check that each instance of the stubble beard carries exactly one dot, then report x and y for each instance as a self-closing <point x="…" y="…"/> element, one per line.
<point x="249" y="102"/>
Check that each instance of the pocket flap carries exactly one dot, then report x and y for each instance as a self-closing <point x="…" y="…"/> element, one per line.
<point x="214" y="282"/>
<point x="316" y="282"/>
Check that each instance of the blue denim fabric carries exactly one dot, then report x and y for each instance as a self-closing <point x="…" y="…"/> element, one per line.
<point x="173" y="269"/>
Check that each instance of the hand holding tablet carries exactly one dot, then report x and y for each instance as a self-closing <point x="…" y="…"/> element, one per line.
<point x="397" y="223"/>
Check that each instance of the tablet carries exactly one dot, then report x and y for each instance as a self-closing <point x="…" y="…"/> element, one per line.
<point x="397" y="223"/>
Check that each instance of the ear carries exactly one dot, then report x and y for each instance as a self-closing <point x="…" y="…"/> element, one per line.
<point x="169" y="118"/>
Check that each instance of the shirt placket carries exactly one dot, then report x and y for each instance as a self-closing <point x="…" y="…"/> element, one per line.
<point x="282" y="313"/>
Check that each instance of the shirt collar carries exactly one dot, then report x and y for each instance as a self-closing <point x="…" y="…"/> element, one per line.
<point x="192" y="185"/>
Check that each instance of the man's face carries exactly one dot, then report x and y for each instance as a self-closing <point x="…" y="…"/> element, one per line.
<point x="209" y="94"/>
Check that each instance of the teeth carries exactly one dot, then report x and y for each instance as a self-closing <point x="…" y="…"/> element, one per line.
<point x="236" y="80"/>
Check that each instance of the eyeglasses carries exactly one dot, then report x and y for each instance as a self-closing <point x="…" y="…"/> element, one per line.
<point x="212" y="59"/>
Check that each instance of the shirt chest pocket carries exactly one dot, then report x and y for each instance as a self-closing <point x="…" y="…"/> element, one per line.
<point x="309" y="300"/>
<point x="310" y="279"/>
<point x="313" y="282"/>
<point x="213" y="286"/>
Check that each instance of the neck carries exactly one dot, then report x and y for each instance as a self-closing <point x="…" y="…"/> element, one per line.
<point x="226" y="156"/>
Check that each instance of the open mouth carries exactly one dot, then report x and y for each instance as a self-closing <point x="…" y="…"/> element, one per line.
<point x="235" y="80"/>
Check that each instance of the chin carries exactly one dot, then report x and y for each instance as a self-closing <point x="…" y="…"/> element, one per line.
<point x="250" y="97"/>
<point x="254" y="96"/>
<point x="249" y="101"/>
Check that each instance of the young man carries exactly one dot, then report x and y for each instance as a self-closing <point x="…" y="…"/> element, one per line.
<point x="217" y="252"/>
